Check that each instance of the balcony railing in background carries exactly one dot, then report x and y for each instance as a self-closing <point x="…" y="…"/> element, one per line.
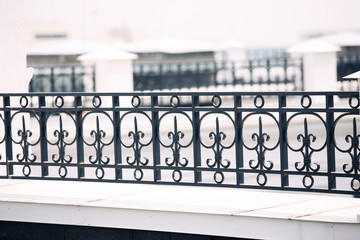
<point x="300" y="141"/>
<point x="264" y="53"/>
<point x="348" y="63"/>
<point x="271" y="74"/>
<point x="63" y="79"/>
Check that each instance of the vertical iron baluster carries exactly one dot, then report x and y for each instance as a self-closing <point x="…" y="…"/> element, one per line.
<point x="215" y="74"/>
<point x="43" y="141"/>
<point x="179" y="76"/>
<point x="330" y="141"/>
<point x="117" y="135"/>
<point x="160" y="82"/>
<point x="233" y="73"/>
<point x="268" y="68"/>
<point x="251" y="72"/>
<point x="286" y="81"/>
<point x="284" y="161"/>
<point x="73" y="80"/>
<point x="79" y="140"/>
<point x="198" y="75"/>
<point x="238" y="144"/>
<point x="94" y="79"/>
<point x="302" y="75"/>
<point x="156" y="144"/>
<point x="52" y="80"/>
<point x="196" y="134"/>
<point x="8" y="141"/>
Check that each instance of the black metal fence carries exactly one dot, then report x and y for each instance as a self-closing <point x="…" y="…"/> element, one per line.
<point x="274" y="73"/>
<point x="63" y="79"/>
<point x="300" y="141"/>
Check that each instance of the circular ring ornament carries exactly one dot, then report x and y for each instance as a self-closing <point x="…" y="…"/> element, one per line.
<point x="26" y="170"/>
<point x="308" y="185"/>
<point x="62" y="171"/>
<point x="24" y="102"/>
<point x="135" y="101"/>
<point x="216" y="101"/>
<point x="219" y="177"/>
<point x="308" y="99"/>
<point x="175" y="101"/>
<point x="261" y="99"/>
<point x="353" y="182"/>
<point x="99" y="172"/>
<point x="59" y="101"/>
<point x="263" y="177"/>
<point x="351" y="100"/>
<point x="177" y="178"/>
<point x="96" y="101"/>
<point x="138" y="174"/>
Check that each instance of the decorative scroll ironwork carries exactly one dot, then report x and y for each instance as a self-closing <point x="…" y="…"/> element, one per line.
<point x="217" y="147"/>
<point x="175" y="147"/>
<point x="61" y="144"/>
<point x="354" y="152"/>
<point x="98" y="144"/>
<point x="306" y="151"/>
<point x="260" y="138"/>
<point x="25" y="156"/>
<point x="137" y="146"/>
<point x="207" y="134"/>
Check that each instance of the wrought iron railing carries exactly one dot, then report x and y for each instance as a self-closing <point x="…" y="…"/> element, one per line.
<point x="300" y="141"/>
<point x="75" y="78"/>
<point x="272" y="73"/>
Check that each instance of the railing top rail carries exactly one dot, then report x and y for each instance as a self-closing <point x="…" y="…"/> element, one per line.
<point x="189" y="93"/>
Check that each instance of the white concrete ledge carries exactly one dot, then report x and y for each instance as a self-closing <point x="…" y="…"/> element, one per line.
<point x="196" y="210"/>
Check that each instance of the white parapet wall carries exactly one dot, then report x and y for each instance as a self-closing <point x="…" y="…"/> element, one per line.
<point x="14" y="75"/>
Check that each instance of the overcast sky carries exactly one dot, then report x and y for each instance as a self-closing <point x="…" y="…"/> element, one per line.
<point x="256" y="22"/>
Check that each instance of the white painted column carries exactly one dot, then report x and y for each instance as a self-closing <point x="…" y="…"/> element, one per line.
<point x="114" y="72"/>
<point x="320" y="64"/>
<point x="14" y="75"/>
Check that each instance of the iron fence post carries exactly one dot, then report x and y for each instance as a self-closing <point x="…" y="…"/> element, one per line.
<point x="233" y="73"/>
<point x="160" y="83"/>
<point x="197" y="75"/>
<point x="286" y="81"/>
<point x="73" y="80"/>
<point x="79" y="138"/>
<point x="284" y="161"/>
<point x="196" y="143"/>
<point x="238" y="143"/>
<point x="179" y="76"/>
<point x="155" y="132"/>
<point x="301" y="75"/>
<point x="94" y="79"/>
<point x="52" y="80"/>
<point x="251" y="72"/>
<point x="8" y="141"/>
<point x="215" y="74"/>
<point x="330" y="141"/>
<point x="117" y="136"/>
<point x="43" y="137"/>
<point x="268" y="71"/>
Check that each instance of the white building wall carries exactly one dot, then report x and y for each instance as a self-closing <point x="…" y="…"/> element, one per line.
<point x="14" y="75"/>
